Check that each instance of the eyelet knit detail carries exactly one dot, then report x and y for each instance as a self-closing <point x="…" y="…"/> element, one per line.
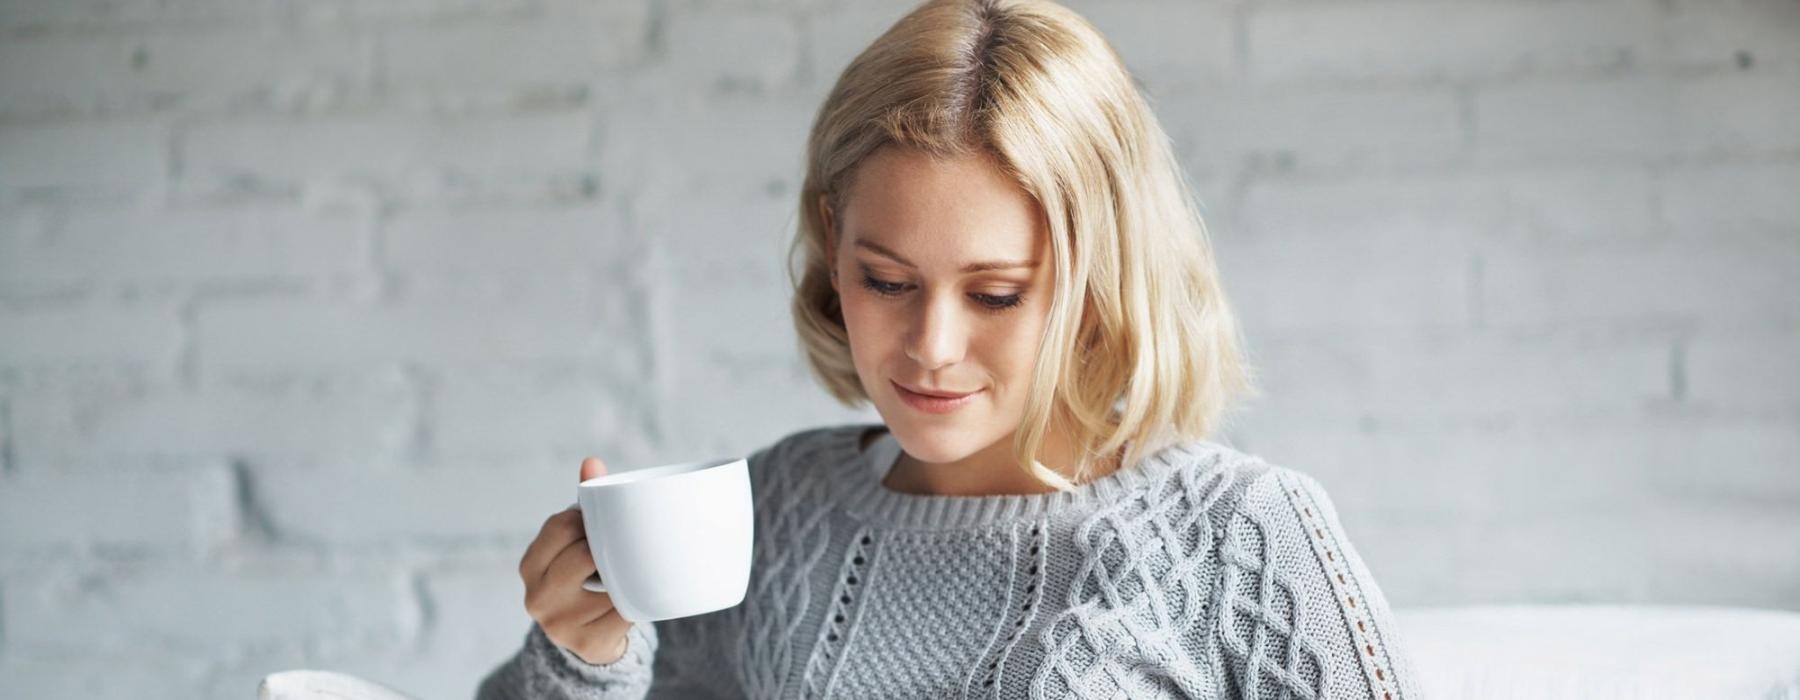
<point x="1348" y="589"/>
<point x="1299" y="614"/>
<point x="834" y="633"/>
<point x="1028" y="591"/>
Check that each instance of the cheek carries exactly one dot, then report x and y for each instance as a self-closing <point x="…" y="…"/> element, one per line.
<point x="1011" y="352"/>
<point x="864" y="322"/>
<point x="859" y="315"/>
<point x="1014" y="345"/>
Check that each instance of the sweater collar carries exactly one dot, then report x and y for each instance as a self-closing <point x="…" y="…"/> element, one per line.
<point x="863" y="494"/>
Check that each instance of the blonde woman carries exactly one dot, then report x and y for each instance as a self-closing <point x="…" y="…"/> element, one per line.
<point x="997" y="250"/>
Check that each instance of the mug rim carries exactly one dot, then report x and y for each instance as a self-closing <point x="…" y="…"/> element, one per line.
<point x="637" y="475"/>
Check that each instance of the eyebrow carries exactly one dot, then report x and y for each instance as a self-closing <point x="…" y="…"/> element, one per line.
<point x="878" y="249"/>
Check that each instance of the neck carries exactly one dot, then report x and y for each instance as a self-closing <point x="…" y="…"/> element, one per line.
<point x="993" y="471"/>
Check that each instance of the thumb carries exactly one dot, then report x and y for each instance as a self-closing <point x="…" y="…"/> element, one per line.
<point x="592" y="467"/>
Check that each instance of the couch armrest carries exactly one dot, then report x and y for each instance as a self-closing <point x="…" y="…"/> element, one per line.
<point x="1604" y="651"/>
<point x="304" y="684"/>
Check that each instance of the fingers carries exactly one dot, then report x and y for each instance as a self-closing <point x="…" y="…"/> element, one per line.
<point x="553" y="568"/>
<point x="570" y="567"/>
<point x="555" y="535"/>
<point x="592" y="467"/>
<point x="558" y="597"/>
<point x="558" y="530"/>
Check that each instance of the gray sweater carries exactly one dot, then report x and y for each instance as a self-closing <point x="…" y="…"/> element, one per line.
<point x="1198" y="572"/>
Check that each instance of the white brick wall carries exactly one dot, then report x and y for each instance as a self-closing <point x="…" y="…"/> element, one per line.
<point x="308" y="311"/>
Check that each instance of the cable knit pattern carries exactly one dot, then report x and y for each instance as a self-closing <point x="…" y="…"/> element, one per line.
<point x="1300" y="614"/>
<point x="1198" y="572"/>
<point x="1140" y="590"/>
<point x="793" y="536"/>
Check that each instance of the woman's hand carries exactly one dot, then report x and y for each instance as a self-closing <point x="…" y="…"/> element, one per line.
<point x="553" y="567"/>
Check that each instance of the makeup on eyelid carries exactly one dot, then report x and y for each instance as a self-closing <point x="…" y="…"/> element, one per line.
<point x="993" y="302"/>
<point x="990" y="301"/>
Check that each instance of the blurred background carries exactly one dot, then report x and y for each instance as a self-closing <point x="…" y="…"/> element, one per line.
<point x="309" y="310"/>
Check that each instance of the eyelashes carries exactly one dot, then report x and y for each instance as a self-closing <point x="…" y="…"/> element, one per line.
<point x="990" y="302"/>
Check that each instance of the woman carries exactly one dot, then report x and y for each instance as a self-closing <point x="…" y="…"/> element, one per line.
<point x="997" y="250"/>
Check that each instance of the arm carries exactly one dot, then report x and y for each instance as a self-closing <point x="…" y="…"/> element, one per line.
<point x="544" y="670"/>
<point x="1298" y="611"/>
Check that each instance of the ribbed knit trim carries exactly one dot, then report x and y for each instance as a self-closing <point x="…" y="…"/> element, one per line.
<point x="862" y="493"/>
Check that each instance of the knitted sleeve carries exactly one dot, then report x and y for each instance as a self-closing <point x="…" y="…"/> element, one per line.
<point x="1299" y="615"/>
<point x="541" y="669"/>
<point x="685" y="657"/>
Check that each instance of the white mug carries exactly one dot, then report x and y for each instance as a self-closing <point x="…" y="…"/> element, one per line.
<point x="670" y="541"/>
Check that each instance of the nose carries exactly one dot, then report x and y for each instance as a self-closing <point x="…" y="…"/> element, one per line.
<point x="939" y="334"/>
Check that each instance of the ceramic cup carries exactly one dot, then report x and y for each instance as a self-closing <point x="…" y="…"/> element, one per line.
<point x="670" y="541"/>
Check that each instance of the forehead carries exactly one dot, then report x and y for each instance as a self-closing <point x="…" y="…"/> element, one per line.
<point x="941" y="210"/>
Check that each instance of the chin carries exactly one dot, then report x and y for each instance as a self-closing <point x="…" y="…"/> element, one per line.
<point x="937" y="443"/>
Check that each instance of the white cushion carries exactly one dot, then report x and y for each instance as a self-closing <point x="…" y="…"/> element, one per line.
<point x="1596" y="652"/>
<point x="303" y="684"/>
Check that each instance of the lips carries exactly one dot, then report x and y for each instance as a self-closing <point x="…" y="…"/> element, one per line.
<point x="933" y="394"/>
<point x="928" y="403"/>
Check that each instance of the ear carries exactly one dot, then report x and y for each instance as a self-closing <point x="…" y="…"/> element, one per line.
<point x="831" y="237"/>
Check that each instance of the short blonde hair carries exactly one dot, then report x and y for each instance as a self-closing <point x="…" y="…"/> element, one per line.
<point x="1153" y="353"/>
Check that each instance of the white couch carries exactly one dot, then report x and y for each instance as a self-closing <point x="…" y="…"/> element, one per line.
<point x="1544" y="652"/>
<point x="1598" y="652"/>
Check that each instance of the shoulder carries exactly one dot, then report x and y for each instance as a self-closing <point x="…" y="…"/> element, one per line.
<point x="1280" y="493"/>
<point x="1273" y="505"/>
<point x="1235" y="499"/>
<point x="1233" y="482"/>
<point x="1224" y="481"/>
<point x="1290" y="576"/>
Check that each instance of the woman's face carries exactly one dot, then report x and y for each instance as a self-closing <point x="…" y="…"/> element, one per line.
<point x="911" y="247"/>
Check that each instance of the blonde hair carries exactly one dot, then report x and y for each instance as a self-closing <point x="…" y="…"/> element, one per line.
<point x="1152" y="353"/>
